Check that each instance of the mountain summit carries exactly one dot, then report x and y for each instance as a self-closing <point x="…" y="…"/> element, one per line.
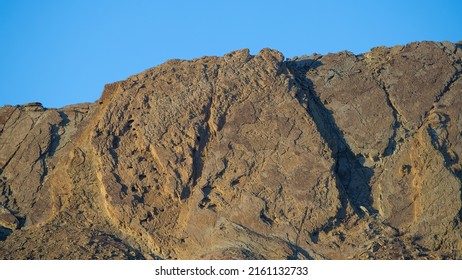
<point x="336" y="156"/>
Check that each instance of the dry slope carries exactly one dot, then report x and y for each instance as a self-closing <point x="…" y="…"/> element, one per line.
<point x="339" y="156"/>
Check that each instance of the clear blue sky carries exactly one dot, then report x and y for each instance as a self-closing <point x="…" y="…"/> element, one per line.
<point x="63" y="52"/>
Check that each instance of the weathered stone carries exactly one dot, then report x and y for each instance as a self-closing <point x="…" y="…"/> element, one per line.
<point x="244" y="157"/>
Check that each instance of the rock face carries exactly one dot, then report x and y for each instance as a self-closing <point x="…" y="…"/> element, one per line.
<point x="339" y="156"/>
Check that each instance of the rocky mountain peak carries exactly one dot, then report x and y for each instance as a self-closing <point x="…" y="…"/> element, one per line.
<point x="336" y="156"/>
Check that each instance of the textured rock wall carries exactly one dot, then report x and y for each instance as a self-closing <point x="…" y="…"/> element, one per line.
<point x="235" y="157"/>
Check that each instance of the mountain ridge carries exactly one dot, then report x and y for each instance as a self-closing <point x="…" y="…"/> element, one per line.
<point x="336" y="156"/>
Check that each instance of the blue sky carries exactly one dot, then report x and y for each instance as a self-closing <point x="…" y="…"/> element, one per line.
<point x="63" y="52"/>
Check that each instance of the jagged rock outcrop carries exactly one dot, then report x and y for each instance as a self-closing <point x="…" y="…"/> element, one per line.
<point x="245" y="156"/>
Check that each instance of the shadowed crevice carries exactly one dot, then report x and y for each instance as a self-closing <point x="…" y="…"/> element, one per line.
<point x="205" y="135"/>
<point x="198" y="153"/>
<point x="4" y="233"/>
<point x="353" y="179"/>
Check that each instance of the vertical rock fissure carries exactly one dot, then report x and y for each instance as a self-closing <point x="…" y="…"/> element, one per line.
<point x="43" y="163"/>
<point x="346" y="165"/>
<point x="198" y="154"/>
<point x="203" y="139"/>
<point x="392" y="146"/>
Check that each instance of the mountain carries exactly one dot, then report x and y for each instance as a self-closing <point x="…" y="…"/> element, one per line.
<point x="336" y="156"/>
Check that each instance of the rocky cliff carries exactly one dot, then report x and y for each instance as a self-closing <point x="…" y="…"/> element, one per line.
<point x="336" y="156"/>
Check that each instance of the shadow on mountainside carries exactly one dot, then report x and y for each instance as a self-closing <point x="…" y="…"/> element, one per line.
<point x="353" y="179"/>
<point x="4" y="232"/>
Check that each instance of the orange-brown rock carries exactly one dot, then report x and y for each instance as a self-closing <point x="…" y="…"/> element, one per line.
<point x="244" y="156"/>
